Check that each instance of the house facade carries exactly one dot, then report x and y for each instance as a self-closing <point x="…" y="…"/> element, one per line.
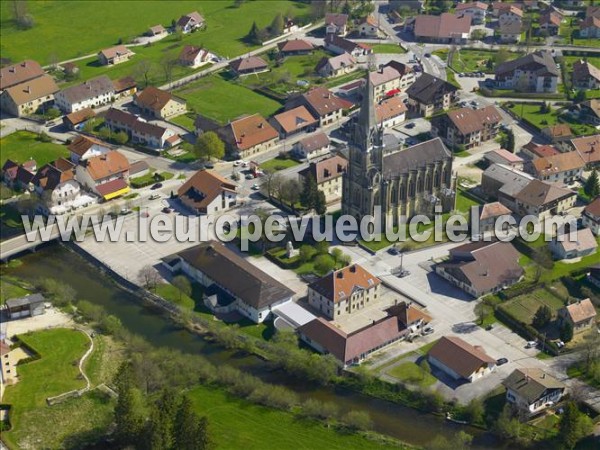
<point x="429" y="95"/>
<point x="106" y="175"/>
<point x="391" y="112"/>
<point x="590" y="216"/>
<point x="206" y="192"/>
<point x="294" y="121"/>
<point x="563" y="169"/>
<point x="328" y="173"/>
<point x="578" y="244"/>
<point x="114" y="55"/>
<point x="159" y="104"/>
<point x="535" y="72"/>
<point x="339" y="45"/>
<point x="581" y="315"/>
<point x="322" y="104"/>
<point x="89" y="94"/>
<point x="190" y="22"/>
<point x="194" y="57"/>
<point x="249" y="135"/>
<point x="467" y="127"/>
<point x="532" y="391"/>
<point x="336" y="66"/>
<point x="543" y="200"/>
<point x="57" y="187"/>
<point x="141" y="132"/>
<point x="85" y="147"/>
<point x="344" y="291"/>
<point x="585" y="75"/>
<point x="336" y="24"/>
<point x="476" y="10"/>
<point x="312" y="147"/>
<point x="29" y="97"/>
<point x="460" y="360"/>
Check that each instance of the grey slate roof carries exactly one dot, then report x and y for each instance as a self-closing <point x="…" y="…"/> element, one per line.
<point x="531" y="383"/>
<point x="427" y="88"/>
<point x="232" y="272"/>
<point x="414" y="157"/>
<point x="88" y="89"/>
<point x="540" y="63"/>
<point x="513" y="180"/>
<point x="32" y="299"/>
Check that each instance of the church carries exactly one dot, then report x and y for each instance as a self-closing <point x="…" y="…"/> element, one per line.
<point x="404" y="182"/>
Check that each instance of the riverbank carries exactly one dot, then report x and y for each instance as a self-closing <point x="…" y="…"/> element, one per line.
<point x="91" y="284"/>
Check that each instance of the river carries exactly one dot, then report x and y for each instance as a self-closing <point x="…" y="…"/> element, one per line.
<point x="55" y="261"/>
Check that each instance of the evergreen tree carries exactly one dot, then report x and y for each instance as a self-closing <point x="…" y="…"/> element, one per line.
<point x="129" y="411"/>
<point x="276" y="28"/>
<point x="320" y="203"/>
<point x="566" y="332"/>
<point x="309" y="192"/>
<point x="592" y="185"/>
<point x="573" y="426"/>
<point x="190" y="431"/>
<point x="510" y="141"/>
<point x="542" y="317"/>
<point x="158" y="431"/>
<point x="253" y="36"/>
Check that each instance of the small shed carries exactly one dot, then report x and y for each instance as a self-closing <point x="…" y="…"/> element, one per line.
<point x="28" y="306"/>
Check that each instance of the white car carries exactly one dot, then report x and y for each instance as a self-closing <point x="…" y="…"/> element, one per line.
<point x="255" y="187"/>
<point x="236" y="163"/>
<point x="531" y="344"/>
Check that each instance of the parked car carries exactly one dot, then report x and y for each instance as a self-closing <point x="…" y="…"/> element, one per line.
<point x="154" y="196"/>
<point x="403" y="273"/>
<point x="393" y="251"/>
<point x="427" y="55"/>
<point x="531" y="344"/>
<point x="410" y="125"/>
<point x="167" y="210"/>
<point x="209" y="165"/>
<point x="237" y="163"/>
<point x="156" y="186"/>
<point x="501" y="361"/>
<point x="255" y="187"/>
<point x="125" y="211"/>
<point x="427" y="330"/>
<point x="249" y="177"/>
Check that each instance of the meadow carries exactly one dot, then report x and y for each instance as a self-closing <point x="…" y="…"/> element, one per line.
<point x="23" y="145"/>
<point x="65" y="30"/>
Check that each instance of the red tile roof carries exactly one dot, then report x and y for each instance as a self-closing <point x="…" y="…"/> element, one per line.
<point x="341" y="284"/>
<point x="460" y="356"/>
<point x="251" y="131"/>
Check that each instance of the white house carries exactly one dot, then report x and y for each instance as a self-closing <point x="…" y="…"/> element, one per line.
<point x="84" y="147"/>
<point x="231" y="283"/>
<point x="141" y="132"/>
<point x="207" y="192"/>
<point x="460" y="360"/>
<point x="89" y="94"/>
<point x="312" y="146"/>
<point x="532" y="390"/>
<point x="106" y="175"/>
<point x="477" y="11"/>
<point x="57" y="187"/>
<point x="590" y="217"/>
<point x="190" y="22"/>
<point x="535" y="72"/>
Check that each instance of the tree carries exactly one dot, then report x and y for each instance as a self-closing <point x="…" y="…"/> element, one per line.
<point x="476" y="411"/>
<point x="255" y="35"/>
<point x="168" y="63"/>
<point x="290" y="192"/>
<point x="592" y="185"/>
<point x="23" y="19"/>
<point x="510" y="141"/>
<point x="542" y="317"/>
<point x="157" y="432"/>
<point x="52" y="113"/>
<point x="357" y="420"/>
<point x="149" y="277"/>
<point x="566" y="332"/>
<point x="121" y="137"/>
<point x="322" y="247"/>
<point x="425" y="368"/>
<point x="309" y="192"/>
<point x="573" y="426"/>
<point x="482" y="310"/>
<point x="276" y="27"/>
<point x="307" y="253"/>
<point x="321" y="203"/>
<point x="580" y="96"/>
<point x="460" y="441"/>
<point x="324" y="264"/>
<point x="208" y="146"/>
<point x="182" y="283"/>
<point x="318" y="8"/>
<point x="129" y="411"/>
<point x="143" y="69"/>
<point x="337" y="254"/>
<point x="501" y="56"/>
<point x="190" y="431"/>
<point x="506" y="426"/>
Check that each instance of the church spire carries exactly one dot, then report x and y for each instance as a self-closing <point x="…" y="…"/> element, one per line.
<point x="366" y="132"/>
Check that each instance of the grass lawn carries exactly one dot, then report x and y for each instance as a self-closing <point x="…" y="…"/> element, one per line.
<point x="172" y="294"/>
<point x="223" y="101"/>
<point x="409" y="372"/>
<point x="73" y="29"/>
<point x="10" y="217"/>
<point x="525" y="306"/>
<point x="185" y="120"/>
<point x="53" y="374"/>
<point x="23" y="145"/>
<point x="11" y="288"/>
<point x="387" y="48"/>
<point x="569" y="60"/>
<point x="238" y="424"/>
<point x="338" y="81"/>
<point x="277" y="164"/>
<point x="531" y="113"/>
<point x="464" y="201"/>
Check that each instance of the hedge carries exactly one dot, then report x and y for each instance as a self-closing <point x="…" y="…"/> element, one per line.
<point x="524" y="330"/>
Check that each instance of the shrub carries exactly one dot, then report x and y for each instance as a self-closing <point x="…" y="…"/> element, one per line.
<point x="357" y="420"/>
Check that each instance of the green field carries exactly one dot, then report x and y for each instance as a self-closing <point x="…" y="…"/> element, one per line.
<point x="54" y="373"/>
<point x="531" y="113"/>
<point x="65" y="30"/>
<point x="172" y="294"/>
<point x="525" y="306"/>
<point x="387" y="48"/>
<point x="409" y="372"/>
<point x="23" y="145"/>
<point x="10" y="288"/>
<point x="238" y="424"/>
<point x="223" y="101"/>
<point x="277" y="164"/>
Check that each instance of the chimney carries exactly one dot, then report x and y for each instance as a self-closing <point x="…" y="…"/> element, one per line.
<point x="340" y="274"/>
<point x="353" y="268"/>
<point x="262" y="125"/>
<point x="28" y="89"/>
<point x="381" y="68"/>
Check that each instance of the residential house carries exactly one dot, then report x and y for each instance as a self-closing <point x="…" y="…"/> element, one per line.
<point x="443" y="29"/>
<point x="588" y="148"/>
<point x="138" y="169"/>
<point x="390" y="79"/>
<point x="336" y="24"/>
<point x="124" y="87"/>
<point x="194" y="57"/>
<point x="311" y="147"/>
<point x="559" y="135"/>
<point x="336" y="65"/>
<point x="28" y="97"/>
<point x="589" y="28"/>
<point x="502" y="183"/>
<point x="490" y="217"/>
<point x="503" y="156"/>
<point x="460" y="360"/>
<point x="351" y="89"/>
<point x="114" y="55"/>
<point x="322" y="104"/>
<point x="481" y="268"/>
<point x="141" y="132"/>
<point x="156" y="30"/>
<point x="344" y="291"/>
<point x="339" y="46"/>
<point x="550" y="22"/>
<point x="510" y="11"/>
<point x="328" y="174"/>
<point x="406" y="74"/>
<point x="294" y="121"/>
<point x="207" y="192"/>
<point x="391" y="112"/>
<point x="248" y="65"/>
<point x="533" y="150"/>
<point x="581" y="315"/>
<point x="251" y="292"/>
<point x="29" y="306"/>
<point x="295" y="47"/>
<point x="429" y="95"/>
<point x="590" y="112"/>
<point x="89" y="94"/>
<point x="501" y="7"/>
<point x="476" y="10"/>
<point x="57" y="187"/>
<point x="466" y="127"/>
<point x="85" y="147"/>
<point x="543" y="200"/>
<point x="190" y="22"/>
<point x="15" y="74"/>
<point x="368" y="27"/>
<point x="564" y="168"/>
<point x="106" y="175"/>
<point x="535" y="72"/>
<point x="577" y="244"/>
<point x="75" y="121"/>
<point x="352" y="348"/>
<point x="585" y="75"/>
<point x="249" y="135"/>
<point x="532" y="390"/>
<point x="510" y="29"/>
<point x="590" y="217"/>
<point x="18" y="175"/>
<point x="159" y="104"/>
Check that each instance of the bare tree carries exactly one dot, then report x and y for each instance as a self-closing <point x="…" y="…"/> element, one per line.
<point x="290" y="191"/>
<point x="143" y="69"/>
<point x="149" y="277"/>
<point x="182" y="283"/>
<point x="168" y="63"/>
